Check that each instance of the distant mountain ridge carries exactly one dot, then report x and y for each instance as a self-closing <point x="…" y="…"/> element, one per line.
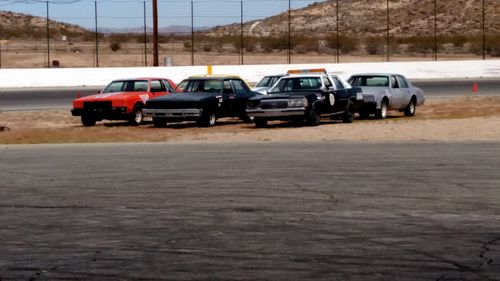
<point x="367" y="18"/>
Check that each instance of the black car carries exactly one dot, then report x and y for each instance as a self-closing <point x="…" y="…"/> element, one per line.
<point x="202" y="99"/>
<point x="306" y="95"/>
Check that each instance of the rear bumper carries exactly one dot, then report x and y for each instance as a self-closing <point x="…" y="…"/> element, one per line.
<point x="276" y="113"/>
<point x="173" y="113"/>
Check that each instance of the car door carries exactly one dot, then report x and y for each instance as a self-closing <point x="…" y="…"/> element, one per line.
<point x="342" y="95"/>
<point x="396" y="93"/>
<point x="228" y="106"/>
<point x="405" y="88"/>
<point x="243" y="93"/>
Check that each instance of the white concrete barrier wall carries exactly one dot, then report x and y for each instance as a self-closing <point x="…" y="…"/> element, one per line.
<point x="70" y="77"/>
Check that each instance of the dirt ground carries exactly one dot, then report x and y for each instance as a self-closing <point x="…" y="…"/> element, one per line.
<point x="456" y="120"/>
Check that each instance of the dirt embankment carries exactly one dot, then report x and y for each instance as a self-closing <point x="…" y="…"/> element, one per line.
<point x="459" y="120"/>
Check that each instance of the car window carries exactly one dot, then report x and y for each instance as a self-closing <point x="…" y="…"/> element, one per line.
<point x="297" y="83"/>
<point x="157" y="86"/>
<point x="127" y="86"/>
<point x="228" y="89"/>
<point x="402" y="81"/>
<point x="394" y="82"/>
<point x="369" y="81"/>
<point x="268" y="81"/>
<point x="239" y="87"/>
<point x="168" y="87"/>
<point x="200" y="85"/>
<point x="338" y="84"/>
<point x="327" y="82"/>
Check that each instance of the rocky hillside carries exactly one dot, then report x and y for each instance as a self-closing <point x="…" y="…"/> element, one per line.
<point x="17" y="25"/>
<point x="368" y="18"/>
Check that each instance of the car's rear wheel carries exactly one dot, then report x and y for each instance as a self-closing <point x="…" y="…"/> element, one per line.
<point x="159" y="122"/>
<point x="208" y="119"/>
<point x="88" y="120"/>
<point x="381" y="113"/>
<point x="136" y="118"/>
<point x="410" y="109"/>
<point x="348" y="116"/>
<point x="260" y="122"/>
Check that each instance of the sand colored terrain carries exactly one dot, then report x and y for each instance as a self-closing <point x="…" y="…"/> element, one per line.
<point x="457" y="120"/>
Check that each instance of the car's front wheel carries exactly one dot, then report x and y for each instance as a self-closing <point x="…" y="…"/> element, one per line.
<point x="208" y="119"/>
<point x="314" y="118"/>
<point x="136" y="118"/>
<point x="88" y="120"/>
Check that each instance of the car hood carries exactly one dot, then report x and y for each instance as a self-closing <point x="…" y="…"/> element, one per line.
<point x="283" y="95"/>
<point x="186" y="97"/>
<point x="261" y="90"/>
<point x="110" y="96"/>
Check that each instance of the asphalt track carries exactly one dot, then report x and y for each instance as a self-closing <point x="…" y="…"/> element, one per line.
<point x="56" y="98"/>
<point x="317" y="211"/>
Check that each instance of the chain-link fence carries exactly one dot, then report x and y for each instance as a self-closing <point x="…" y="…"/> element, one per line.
<point x="119" y="32"/>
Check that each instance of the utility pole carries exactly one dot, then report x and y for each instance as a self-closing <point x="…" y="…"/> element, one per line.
<point x="145" y="38"/>
<point x="241" y="33"/>
<point x="96" y="37"/>
<point x="155" y="33"/>
<point x="192" y="33"/>
<point x="48" y="36"/>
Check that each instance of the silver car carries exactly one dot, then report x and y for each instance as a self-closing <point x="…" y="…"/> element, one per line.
<point x="387" y="91"/>
<point x="266" y="83"/>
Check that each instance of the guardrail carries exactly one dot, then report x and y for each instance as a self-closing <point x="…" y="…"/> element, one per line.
<point x="76" y="77"/>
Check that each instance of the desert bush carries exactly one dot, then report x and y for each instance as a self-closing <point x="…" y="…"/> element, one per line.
<point x="115" y="46"/>
<point x="346" y="44"/>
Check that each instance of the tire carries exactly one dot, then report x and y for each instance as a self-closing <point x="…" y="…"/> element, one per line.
<point x="88" y="120"/>
<point x="260" y="122"/>
<point x="314" y="118"/>
<point x="410" y="109"/>
<point x="159" y="122"/>
<point x="136" y="117"/>
<point x="382" y="112"/>
<point x="207" y="119"/>
<point x="348" y="116"/>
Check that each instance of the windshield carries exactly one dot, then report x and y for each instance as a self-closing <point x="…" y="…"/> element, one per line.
<point x="268" y="81"/>
<point x="199" y="85"/>
<point x="127" y="86"/>
<point x="297" y="84"/>
<point x="369" y="81"/>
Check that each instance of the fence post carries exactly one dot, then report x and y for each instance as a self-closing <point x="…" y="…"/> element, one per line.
<point x="241" y="33"/>
<point x="483" y="26"/>
<point x="192" y="33"/>
<point x="0" y="53"/>
<point x="337" y="44"/>
<point x="48" y="36"/>
<point x="289" y="58"/>
<point x="145" y="37"/>
<point x="96" y="36"/>
<point x="435" y="31"/>
<point x="388" y="32"/>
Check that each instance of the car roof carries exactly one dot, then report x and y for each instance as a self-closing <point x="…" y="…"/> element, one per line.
<point x="141" y="78"/>
<point x="215" y="76"/>
<point x="376" y="74"/>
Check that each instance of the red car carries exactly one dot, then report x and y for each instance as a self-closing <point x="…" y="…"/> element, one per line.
<point x="121" y="100"/>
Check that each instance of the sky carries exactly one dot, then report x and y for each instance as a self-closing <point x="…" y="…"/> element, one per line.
<point x="130" y="13"/>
